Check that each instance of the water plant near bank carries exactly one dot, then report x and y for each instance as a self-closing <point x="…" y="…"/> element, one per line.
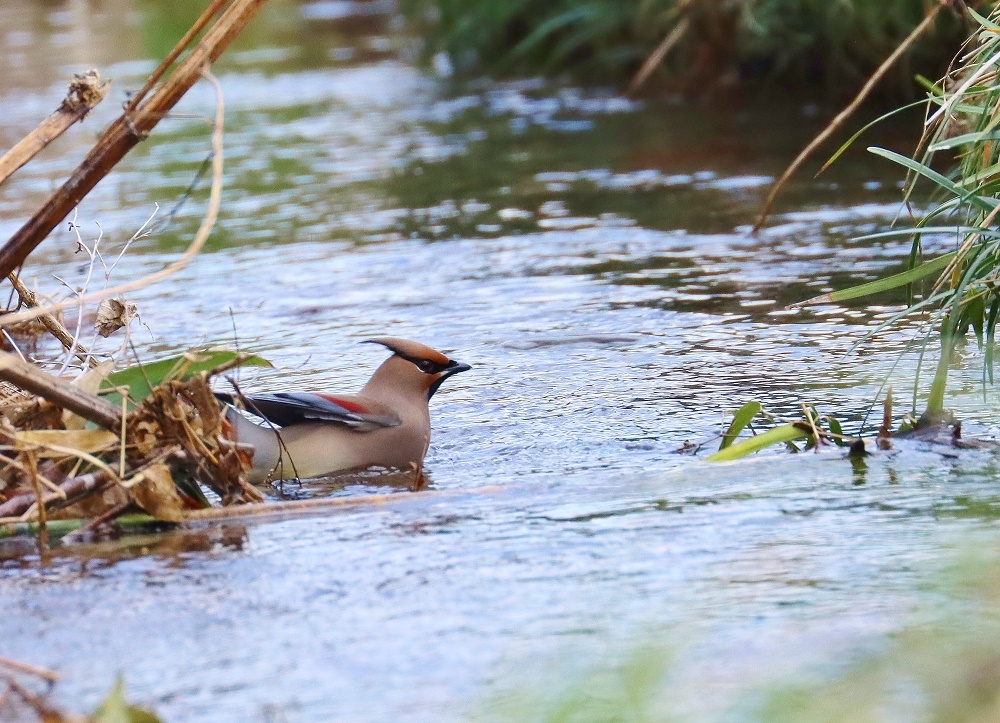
<point x="955" y="245"/>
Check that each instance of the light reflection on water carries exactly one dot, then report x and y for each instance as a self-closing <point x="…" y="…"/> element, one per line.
<point x="589" y="256"/>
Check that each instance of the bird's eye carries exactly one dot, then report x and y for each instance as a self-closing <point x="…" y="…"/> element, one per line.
<point x="425" y="365"/>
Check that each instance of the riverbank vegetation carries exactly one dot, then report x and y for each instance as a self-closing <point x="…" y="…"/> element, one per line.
<point x="84" y="442"/>
<point x="957" y="165"/>
<point x="955" y="244"/>
<point x="697" y="47"/>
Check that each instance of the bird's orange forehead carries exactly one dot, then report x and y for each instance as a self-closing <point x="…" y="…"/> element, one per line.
<point x="412" y="349"/>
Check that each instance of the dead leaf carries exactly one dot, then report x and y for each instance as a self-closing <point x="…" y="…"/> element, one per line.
<point x="85" y="440"/>
<point x="113" y="314"/>
<point x="93" y="505"/>
<point x="88" y="382"/>
<point x="157" y="494"/>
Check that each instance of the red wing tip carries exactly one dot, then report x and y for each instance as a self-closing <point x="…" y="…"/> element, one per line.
<point x="349" y="405"/>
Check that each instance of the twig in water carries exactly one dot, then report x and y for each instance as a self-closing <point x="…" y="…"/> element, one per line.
<point x="29" y="669"/>
<point x="50" y="322"/>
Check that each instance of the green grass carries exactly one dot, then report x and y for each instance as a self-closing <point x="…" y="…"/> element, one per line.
<point x="961" y="133"/>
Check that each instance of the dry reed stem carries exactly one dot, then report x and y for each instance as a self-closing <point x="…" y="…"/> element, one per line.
<point x="126" y="132"/>
<point x="293" y="507"/>
<point x="85" y="91"/>
<point x="210" y="12"/>
<point x="29" y="669"/>
<point x="43" y="530"/>
<point x="847" y="112"/>
<point x="208" y="222"/>
<point x="657" y="56"/>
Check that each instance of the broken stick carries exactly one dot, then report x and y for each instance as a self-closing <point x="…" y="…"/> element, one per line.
<point x="85" y="91"/>
<point x="32" y="379"/>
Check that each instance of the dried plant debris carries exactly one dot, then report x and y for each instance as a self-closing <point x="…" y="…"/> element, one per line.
<point x="168" y="442"/>
<point x="185" y="415"/>
<point x="25" y="692"/>
<point x="85" y="91"/>
<point x="114" y="314"/>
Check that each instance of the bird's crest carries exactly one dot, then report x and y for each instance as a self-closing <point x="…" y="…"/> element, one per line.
<point x="409" y="349"/>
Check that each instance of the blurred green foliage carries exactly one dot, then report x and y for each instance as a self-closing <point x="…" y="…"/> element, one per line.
<point x="942" y="665"/>
<point x="819" y="44"/>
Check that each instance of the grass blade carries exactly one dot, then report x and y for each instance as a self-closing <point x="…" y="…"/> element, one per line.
<point x="880" y="285"/>
<point x="778" y="435"/>
<point x="744" y="415"/>
<point x="937" y="178"/>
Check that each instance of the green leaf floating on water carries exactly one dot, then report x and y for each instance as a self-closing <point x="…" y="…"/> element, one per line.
<point x="744" y="415"/>
<point x="141" y="378"/>
<point x="778" y="435"/>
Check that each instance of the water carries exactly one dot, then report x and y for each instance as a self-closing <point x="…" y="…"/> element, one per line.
<point x="589" y="256"/>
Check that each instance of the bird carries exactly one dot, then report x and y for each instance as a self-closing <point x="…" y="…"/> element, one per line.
<point x="387" y="424"/>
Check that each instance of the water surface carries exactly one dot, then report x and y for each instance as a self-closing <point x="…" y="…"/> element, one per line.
<point x="590" y="256"/>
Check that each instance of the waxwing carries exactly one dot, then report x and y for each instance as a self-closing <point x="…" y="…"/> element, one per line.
<point x="387" y="424"/>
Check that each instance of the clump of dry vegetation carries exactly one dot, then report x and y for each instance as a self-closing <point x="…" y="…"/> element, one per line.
<point x="84" y="442"/>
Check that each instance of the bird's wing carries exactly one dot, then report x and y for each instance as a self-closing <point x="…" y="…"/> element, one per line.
<point x="286" y="408"/>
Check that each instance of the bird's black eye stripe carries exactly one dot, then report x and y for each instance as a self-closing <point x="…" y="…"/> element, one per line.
<point x="426" y="365"/>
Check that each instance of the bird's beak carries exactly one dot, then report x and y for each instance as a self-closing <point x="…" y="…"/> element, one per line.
<point x="453" y="367"/>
